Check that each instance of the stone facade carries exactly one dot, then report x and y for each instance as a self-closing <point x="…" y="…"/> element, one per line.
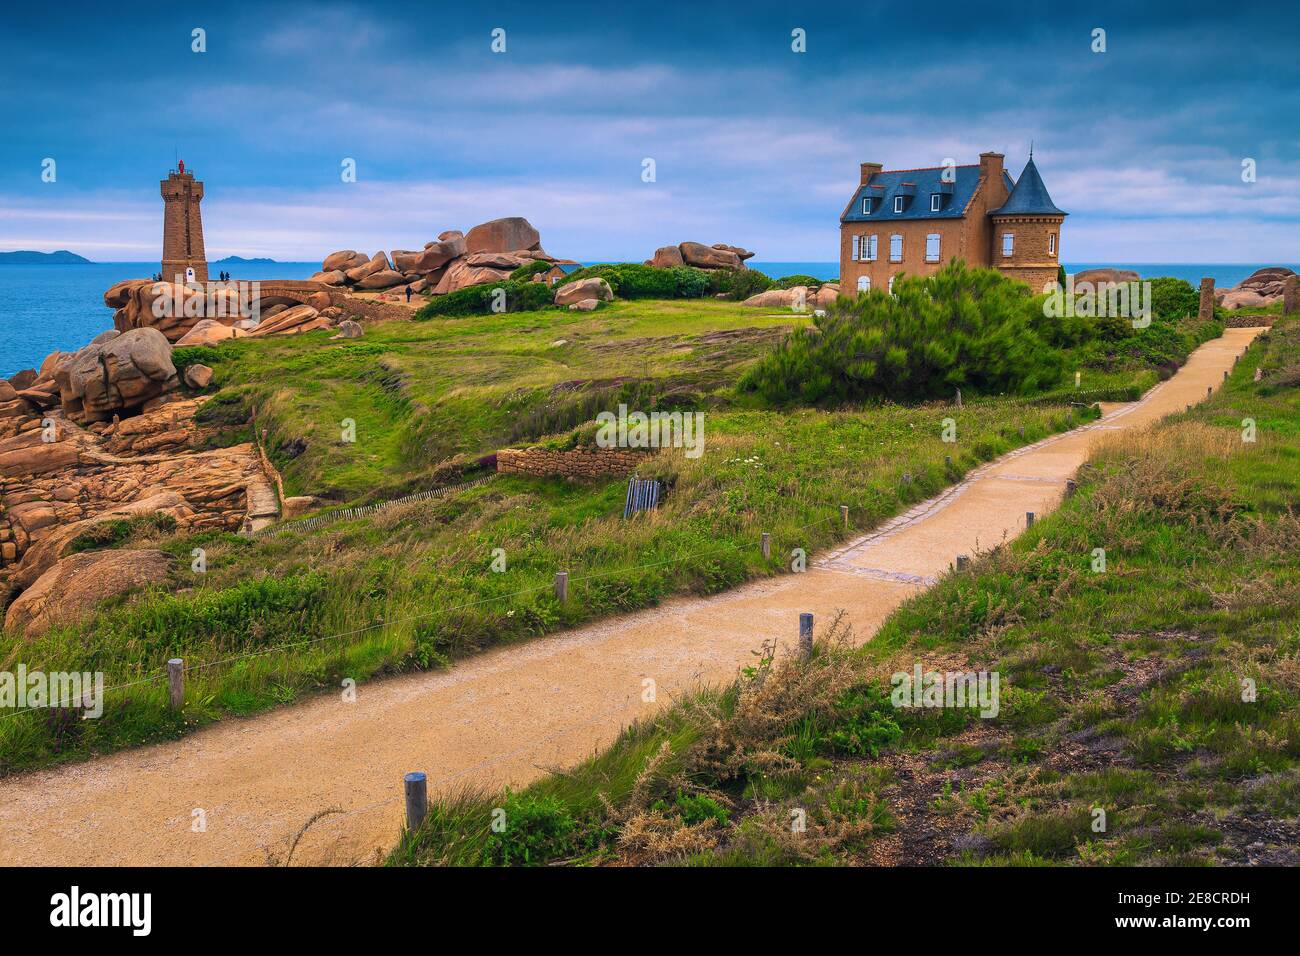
<point x="182" y="226"/>
<point x="580" y="463"/>
<point x="968" y="225"/>
<point x="1034" y="261"/>
<point x="1206" y="310"/>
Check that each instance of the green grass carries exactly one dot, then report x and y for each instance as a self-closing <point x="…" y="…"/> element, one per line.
<point x="1122" y="690"/>
<point x="422" y="392"/>
<point x="282" y="616"/>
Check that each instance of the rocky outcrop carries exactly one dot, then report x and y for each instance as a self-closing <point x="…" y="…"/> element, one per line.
<point x="502" y="235"/>
<point x="198" y="376"/>
<point x="461" y="275"/>
<point x="697" y="254"/>
<point x="115" y="376"/>
<point x="209" y="332"/>
<point x="75" y="586"/>
<point x="291" y="321"/>
<point x="111" y="469"/>
<point x="488" y="253"/>
<point x="583" y="289"/>
<point x="49" y="549"/>
<point x="783" y="298"/>
<point x="1261" y="288"/>
<point x="666" y="257"/>
<point x="343" y="261"/>
<point x="1096" y="276"/>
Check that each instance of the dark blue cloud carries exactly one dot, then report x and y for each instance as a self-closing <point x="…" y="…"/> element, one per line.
<point x="1142" y="143"/>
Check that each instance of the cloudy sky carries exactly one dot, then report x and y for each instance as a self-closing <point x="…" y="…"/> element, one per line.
<point x="753" y="143"/>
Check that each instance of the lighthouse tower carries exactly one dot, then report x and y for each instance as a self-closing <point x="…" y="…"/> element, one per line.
<point x="182" y="226"/>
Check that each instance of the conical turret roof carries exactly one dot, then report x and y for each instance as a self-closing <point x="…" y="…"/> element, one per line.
<point x="1030" y="197"/>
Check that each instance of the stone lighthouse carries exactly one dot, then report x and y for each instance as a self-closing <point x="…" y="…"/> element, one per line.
<point x="183" y="227"/>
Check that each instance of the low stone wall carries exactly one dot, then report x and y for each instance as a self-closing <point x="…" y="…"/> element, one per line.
<point x="576" y="463"/>
<point x="1231" y="321"/>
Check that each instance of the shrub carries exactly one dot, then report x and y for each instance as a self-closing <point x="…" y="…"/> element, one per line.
<point x="630" y="280"/>
<point x="538" y="829"/>
<point x="1173" y="299"/>
<point x="526" y="272"/>
<point x="789" y="282"/>
<point x="478" y="299"/>
<point x="189" y="355"/>
<point x="959" y="328"/>
<point x="738" y="283"/>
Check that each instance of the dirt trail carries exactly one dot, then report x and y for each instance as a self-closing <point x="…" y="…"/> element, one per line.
<point x="511" y="714"/>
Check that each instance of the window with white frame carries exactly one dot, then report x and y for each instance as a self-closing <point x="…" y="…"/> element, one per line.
<point x="871" y="249"/>
<point x="895" y="248"/>
<point x="936" y="200"/>
<point x="898" y="204"/>
<point x="1051" y="243"/>
<point x="866" y="205"/>
<point x="857" y="248"/>
<point x="1008" y="244"/>
<point x="932" y="247"/>
<point x="864" y="283"/>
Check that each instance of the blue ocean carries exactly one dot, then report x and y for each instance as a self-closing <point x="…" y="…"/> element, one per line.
<point x="47" y="308"/>
<point x="44" y="308"/>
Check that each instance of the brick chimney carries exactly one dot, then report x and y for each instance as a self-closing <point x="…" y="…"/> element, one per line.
<point x="868" y="169"/>
<point x="991" y="166"/>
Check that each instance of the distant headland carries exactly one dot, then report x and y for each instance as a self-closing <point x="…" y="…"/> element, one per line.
<point x="25" y="257"/>
<point x="240" y="260"/>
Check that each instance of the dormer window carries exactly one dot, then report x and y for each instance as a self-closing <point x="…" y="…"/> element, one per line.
<point x="936" y="202"/>
<point x="866" y="205"/>
<point x="898" y="204"/>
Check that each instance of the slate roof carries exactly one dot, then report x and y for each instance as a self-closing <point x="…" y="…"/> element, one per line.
<point x="893" y="182"/>
<point x="1030" y="197"/>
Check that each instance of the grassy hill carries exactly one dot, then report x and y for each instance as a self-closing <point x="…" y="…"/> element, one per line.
<point x="1162" y="691"/>
<point x="279" y="616"/>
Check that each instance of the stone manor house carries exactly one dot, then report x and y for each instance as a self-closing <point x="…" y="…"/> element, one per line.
<point x="917" y="220"/>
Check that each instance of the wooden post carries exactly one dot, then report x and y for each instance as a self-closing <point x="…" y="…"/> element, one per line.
<point x="176" y="682"/>
<point x="1209" y="391"/>
<point x="963" y="562"/>
<point x="1029" y="519"/>
<point x="417" y="799"/>
<point x="1078" y="377"/>
<point x="1070" y="486"/>
<point x="805" y="635"/>
<point x="767" y="546"/>
<point x="947" y="461"/>
<point x="844" y="513"/>
<point x="1022" y="431"/>
<point x="959" y="398"/>
<point x="562" y="585"/>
